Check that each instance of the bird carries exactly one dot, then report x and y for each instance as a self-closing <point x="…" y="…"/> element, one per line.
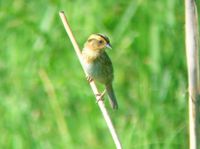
<point x="98" y="64"/>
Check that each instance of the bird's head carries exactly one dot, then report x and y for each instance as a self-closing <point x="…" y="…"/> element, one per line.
<point x="97" y="42"/>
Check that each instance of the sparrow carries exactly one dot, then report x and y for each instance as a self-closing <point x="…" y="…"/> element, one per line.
<point x="98" y="64"/>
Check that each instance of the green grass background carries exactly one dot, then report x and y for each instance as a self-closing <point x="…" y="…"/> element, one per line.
<point x="45" y="100"/>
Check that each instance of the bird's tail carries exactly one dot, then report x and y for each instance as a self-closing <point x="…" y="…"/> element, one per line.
<point x="112" y="97"/>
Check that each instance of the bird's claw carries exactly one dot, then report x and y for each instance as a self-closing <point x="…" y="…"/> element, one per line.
<point x="89" y="79"/>
<point x="100" y="96"/>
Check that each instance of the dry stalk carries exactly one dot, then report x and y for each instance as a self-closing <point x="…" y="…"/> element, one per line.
<point x="92" y="84"/>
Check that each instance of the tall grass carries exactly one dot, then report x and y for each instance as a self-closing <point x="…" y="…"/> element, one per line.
<point x="150" y="75"/>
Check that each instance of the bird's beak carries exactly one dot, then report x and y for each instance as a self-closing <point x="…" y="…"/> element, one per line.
<point x="108" y="45"/>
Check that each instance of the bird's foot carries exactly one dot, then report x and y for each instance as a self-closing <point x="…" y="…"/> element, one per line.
<point x="89" y="79"/>
<point x="100" y="96"/>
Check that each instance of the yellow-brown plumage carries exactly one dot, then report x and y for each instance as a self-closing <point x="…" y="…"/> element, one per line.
<point x="98" y="65"/>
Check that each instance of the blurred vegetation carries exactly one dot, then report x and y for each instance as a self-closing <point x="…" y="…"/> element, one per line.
<point x="45" y="100"/>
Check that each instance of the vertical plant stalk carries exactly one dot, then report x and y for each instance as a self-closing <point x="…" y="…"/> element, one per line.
<point x="92" y="84"/>
<point x="62" y="126"/>
<point x="191" y="39"/>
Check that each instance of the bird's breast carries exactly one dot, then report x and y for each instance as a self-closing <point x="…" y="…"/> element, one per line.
<point x="93" y="68"/>
<point x="99" y="67"/>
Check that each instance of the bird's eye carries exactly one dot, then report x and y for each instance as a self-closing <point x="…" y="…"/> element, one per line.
<point x="100" y="41"/>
